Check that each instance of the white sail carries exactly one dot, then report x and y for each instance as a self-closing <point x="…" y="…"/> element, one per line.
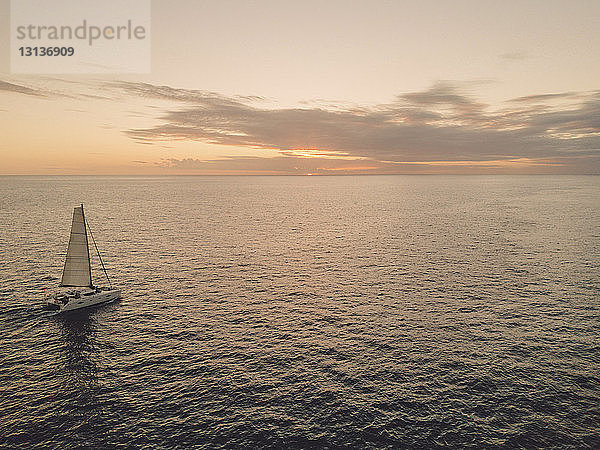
<point x="77" y="271"/>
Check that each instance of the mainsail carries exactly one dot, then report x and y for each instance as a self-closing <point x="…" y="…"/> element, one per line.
<point x="77" y="271"/>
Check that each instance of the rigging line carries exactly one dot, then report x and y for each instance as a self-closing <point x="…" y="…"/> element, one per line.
<point x="87" y="247"/>
<point x="99" y="255"/>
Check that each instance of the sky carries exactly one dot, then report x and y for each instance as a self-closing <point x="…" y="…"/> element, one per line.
<point x="336" y="87"/>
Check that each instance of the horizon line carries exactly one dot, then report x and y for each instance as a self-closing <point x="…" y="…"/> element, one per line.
<point x="295" y="175"/>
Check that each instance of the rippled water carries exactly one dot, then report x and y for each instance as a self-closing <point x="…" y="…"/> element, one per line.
<point x="374" y="311"/>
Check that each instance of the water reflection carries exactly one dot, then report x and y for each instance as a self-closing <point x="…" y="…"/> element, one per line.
<point x="78" y="368"/>
<point x="79" y="346"/>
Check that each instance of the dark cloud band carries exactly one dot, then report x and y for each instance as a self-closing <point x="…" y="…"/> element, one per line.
<point x="439" y="124"/>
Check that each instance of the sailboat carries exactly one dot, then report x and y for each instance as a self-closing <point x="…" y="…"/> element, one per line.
<point x="76" y="287"/>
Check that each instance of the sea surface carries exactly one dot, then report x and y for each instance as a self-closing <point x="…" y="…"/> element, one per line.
<point x="306" y="312"/>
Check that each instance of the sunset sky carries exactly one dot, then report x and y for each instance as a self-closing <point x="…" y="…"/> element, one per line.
<point x="336" y="87"/>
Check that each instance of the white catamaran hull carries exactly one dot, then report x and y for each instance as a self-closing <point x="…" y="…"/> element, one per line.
<point x="79" y="300"/>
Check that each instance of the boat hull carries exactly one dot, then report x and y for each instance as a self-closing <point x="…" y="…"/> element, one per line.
<point x="84" y="300"/>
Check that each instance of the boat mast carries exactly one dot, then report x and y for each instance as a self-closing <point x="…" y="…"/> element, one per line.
<point x="99" y="257"/>
<point x="87" y="247"/>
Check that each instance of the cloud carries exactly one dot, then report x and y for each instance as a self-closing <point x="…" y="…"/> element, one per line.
<point x="544" y="97"/>
<point x="49" y="88"/>
<point x="442" y="128"/>
<point x="273" y="165"/>
<point x="515" y="56"/>
<point x="16" y="88"/>
<point x="443" y="94"/>
<point x="293" y="165"/>
<point x="440" y="124"/>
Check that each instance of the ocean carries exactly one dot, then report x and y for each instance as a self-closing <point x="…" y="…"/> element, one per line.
<point x="305" y="312"/>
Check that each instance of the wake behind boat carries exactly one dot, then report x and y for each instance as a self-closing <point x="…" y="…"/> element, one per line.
<point x="77" y="272"/>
